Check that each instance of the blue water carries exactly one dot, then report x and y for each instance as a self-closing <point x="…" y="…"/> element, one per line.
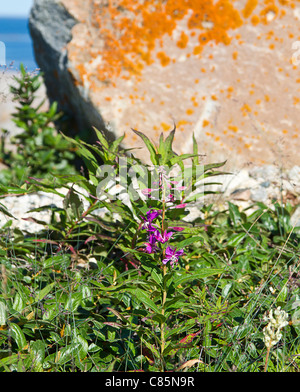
<point x="16" y="45"/>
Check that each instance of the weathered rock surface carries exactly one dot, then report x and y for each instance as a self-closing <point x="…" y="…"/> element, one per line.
<point x="225" y="70"/>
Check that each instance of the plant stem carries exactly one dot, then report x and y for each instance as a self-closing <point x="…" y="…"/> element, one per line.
<point x="162" y="326"/>
<point x="164" y="292"/>
<point x="267" y="358"/>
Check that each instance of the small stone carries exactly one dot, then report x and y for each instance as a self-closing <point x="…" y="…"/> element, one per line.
<point x="267" y="172"/>
<point x="259" y="194"/>
<point x="295" y="219"/>
<point x="241" y="194"/>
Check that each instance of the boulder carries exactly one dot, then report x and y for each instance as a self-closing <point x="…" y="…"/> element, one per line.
<point x="224" y="70"/>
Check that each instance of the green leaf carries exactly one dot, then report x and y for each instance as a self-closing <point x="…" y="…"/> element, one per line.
<point x="236" y="239"/>
<point x="214" y="165"/>
<point x="167" y="151"/>
<point x="234" y="214"/>
<point x="12" y="359"/>
<point x="116" y="143"/>
<point x="144" y="298"/>
<point x="73" y="205"/>
<point x="159" y="318"/>
<point x="67" y="353"/>
<point x="73" y="301"/>
<point x="200" y="274"/>
<point x="37" y="353"/>
<point x="84" y="346"/>
<point x="46" y="290"/>
<point x="180" y="158"/>
<point x="18" y="336"/>
<point x="188" y="241"/>
<point x="156" y="276"/>
<point x="282" y="295"/>
<point x="182" y="328"/>
<point x="151" y="347"/>
<point x="195" y="151"/>
<point x="101" y="138"/>
<point x="4" y="210"/>
<point x="149" y="145"/>
<point x="3" y="313"/>
<point x="19" y="302"/>
<point x="88" y="157"/>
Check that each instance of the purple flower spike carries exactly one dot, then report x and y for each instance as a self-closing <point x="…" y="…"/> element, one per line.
<point x="172" y="255"/>
<point x="150" y="245"/>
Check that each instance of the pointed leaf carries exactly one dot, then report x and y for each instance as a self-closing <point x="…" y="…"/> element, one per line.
<point x="144" y="298"/>
<point x="3" y="314"/>
<point x="45" y="291"/>
<point x="149" y="145"/>
<point x="189" y="364"/>
<point x="4" y="210"/>
<point x="195" y="151"/>
<point x="18" y="336"/>
<point x="101" y="138"/>
<point x="168" y="146"/>
<point x="116" y="143"/>
<point x="200" y="274"/>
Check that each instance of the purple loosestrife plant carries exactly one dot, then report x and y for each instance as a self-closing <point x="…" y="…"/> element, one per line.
<point x="154" y="240"/>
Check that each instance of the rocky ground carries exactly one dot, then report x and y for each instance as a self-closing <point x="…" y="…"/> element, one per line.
<point x="243" y="188"/>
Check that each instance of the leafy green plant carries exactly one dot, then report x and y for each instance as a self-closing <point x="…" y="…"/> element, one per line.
<point x="119" y="280"/>
<point x="40" y="149"/>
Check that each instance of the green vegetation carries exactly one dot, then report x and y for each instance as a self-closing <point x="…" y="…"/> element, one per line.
<point x="99" y="291"/>
<point x="39" y="149"/>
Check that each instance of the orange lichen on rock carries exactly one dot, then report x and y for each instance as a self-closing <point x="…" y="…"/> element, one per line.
<point x="165" y="127"/>
<point x="245" y="109"/>
<point x="233" y="128"/>
<point x="164" y="59"/>
<point x="128" y="32"/>
<point x="171" y="60"/>
<point x="183" y="41"/>
<point x="249" y="8"/>
<point x="255" y="20"/>
<point x="269" y="12"/>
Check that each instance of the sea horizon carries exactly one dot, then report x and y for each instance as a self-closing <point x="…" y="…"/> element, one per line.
<point x="16" y="45"/>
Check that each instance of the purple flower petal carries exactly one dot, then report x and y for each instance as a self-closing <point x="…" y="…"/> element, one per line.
<point x="151" y="244"/>
<point x="151" y="215"/>
<point x="177" y="228"/>
<point x="169" y="252"/>
<point x="163" y="237"/>
<point x="146" y="191"/>
<point x="172" y="255"/>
